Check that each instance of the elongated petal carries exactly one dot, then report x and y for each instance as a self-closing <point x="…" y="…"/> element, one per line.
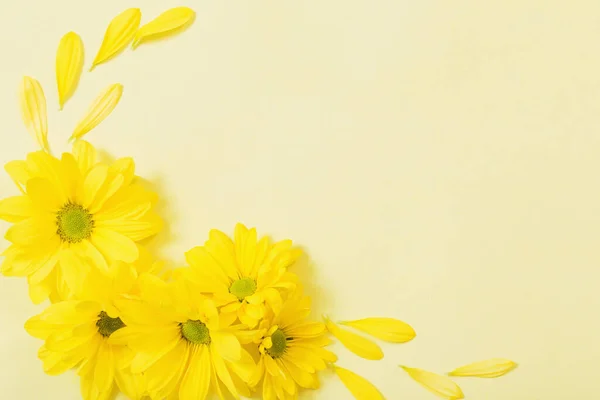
<point x="491" y="368"/>
<point x="85" y="155"/>
<point x="168" y="23"/>
<point x="360" y="388"/>
<point x="33" y="110"/>
<point x="119" y="34"/>
<point x="359" y="345"/>
<point x="100" y="109"/>
<point x="436" y="384"/>
<point x="388" y="329"/>
<point x="69" y="64"/>
<point x="16" y="208"/>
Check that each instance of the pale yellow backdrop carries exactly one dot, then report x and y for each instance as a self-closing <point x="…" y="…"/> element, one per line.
<point x="439" y="161"/>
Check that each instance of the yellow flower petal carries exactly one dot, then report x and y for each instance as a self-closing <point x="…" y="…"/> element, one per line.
<point x="19" y="172"/>
<point x="69" y="64"/>
<point x="388" y="329"/>
<point x="119" y="34"/>
<point x="196" y="380"/>
<point x="359" y="345"/>
<point x="115" y="246"/>
<point x="99" y="110"/>
<point x="168" y="23"/>
<point x="360" y="388"/>
<point x="85" y="155"/>
<point x="491" y="368"/>
<point x="33" y="110"/>
<point x="437" y="384"/>
<point x="16" y="208"/>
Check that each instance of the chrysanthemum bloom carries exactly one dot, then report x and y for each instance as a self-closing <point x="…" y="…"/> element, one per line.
<point x="291" y="351"/>
<point x="76" y="334"/>
<point x="244" y="275"/>
<point x="183" y="346"/>
<point x="74" y="214"/>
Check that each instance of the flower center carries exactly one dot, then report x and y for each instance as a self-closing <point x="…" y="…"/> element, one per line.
<point x="195" y="332"/>
<point x="243" y="288"/>
<point x="107" y="325"/>
<point x="279" y="344"/>
<point x="74" y="223"/>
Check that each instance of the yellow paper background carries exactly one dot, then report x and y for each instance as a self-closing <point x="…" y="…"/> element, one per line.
<point x="440" y="162"/>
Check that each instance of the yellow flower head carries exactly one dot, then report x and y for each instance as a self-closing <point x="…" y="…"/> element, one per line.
<point x="76" y="333"/>
<point x="75" y="214"/>
<point x="291" y="349"/>
<point x="183" y="346"/>
<point x="244" y="275"/>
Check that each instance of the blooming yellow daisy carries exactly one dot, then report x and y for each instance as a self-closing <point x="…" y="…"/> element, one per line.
<point x="244" y="275"/>
<point x="74" y="214"/>
<point x="291" y="349"/>
<point x="76" y="334"/>
<point x="183" y="346"/>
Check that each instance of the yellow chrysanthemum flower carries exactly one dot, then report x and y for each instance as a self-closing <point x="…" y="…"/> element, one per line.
<point x="183" y="346"/>
<point x="76" y="334"/>
<point x="291" y="351"/>
<point x="74" y="214"/>
<point x="244" y="275"/>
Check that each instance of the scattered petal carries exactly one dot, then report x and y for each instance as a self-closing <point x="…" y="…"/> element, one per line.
<point x="69" y="64"/>
<point x="168" y="23"/>
<point x="491" y="368"/>
<point x="359" y="345"/>
<point x="388" y="329"/>
<point x="360" y="388"/>
<point x="104" y="104"/>
<point x="119" y="34"/>
<point x="33" y="110"/>
<point x="437" y="384"/>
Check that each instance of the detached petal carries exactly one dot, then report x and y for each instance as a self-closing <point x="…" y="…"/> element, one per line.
<point x="437" y="384"/>
<point x="166" y="24"/>
<point x="360" y="388"/>
<point x="69" y="64"/>
<point x="118" y="35"/>
<point x="359" y="345"/>
<point x="388" y="329"/>
<point x="101" y="108"/>
<point x="491" y="368"/>
<point x="33" y="110"/>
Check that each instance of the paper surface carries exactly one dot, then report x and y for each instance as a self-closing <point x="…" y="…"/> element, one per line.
<point x="439" y="162"/>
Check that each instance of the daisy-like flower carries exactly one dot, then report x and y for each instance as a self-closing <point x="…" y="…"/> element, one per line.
<point x="76" y="334"/>
<point x="183" y="346"/>
<point x="243" y="275"/>
<point x="74" y="214"/>
<point x="291" y="350"/>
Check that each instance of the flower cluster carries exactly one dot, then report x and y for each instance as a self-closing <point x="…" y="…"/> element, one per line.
<point x="233" y="322"/>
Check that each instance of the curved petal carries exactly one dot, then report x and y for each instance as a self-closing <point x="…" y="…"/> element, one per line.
<point x="437" y="384"/>
<point x="360" y="388"/>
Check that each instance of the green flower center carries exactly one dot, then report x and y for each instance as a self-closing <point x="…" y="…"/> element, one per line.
<point x="243" y="288"/>
<point x="107" y="325"/>
<point x="195" y="332"/>
<point x="279" y="344"/>
<point x="74" y="223"/>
